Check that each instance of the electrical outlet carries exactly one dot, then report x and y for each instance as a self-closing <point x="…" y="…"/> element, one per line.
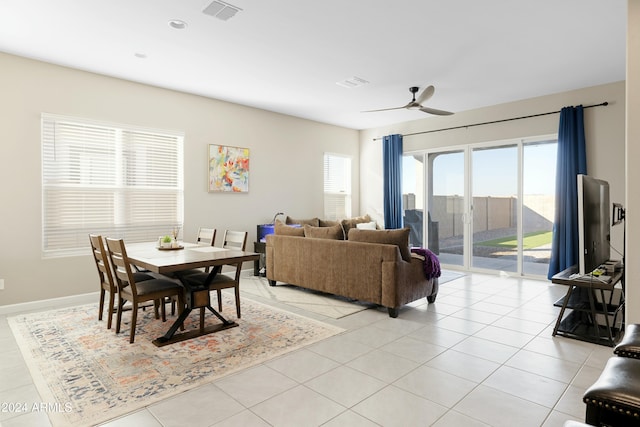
<point x="1" y="284"/>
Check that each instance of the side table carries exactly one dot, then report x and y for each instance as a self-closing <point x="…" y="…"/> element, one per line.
<point x="260" y="264"/>
<point x="586" y="308"/>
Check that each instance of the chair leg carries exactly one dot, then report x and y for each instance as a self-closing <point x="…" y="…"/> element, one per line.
<point x="163" y="310"/>
<point x="181" y="306"/>
<point x="101" y="306"/>
<point x="237" y="289"/>
<point x="119" y="316"/>
<point x="134" y="319"/>
<point x="219" y="300"/>
<point x="111" y="301"/>
<point x="156" y="306"/>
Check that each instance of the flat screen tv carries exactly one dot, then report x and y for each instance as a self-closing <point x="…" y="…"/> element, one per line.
<point x="593" y="223"/>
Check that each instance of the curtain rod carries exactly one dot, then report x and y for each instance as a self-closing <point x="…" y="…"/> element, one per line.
<point x="603" y="104"/>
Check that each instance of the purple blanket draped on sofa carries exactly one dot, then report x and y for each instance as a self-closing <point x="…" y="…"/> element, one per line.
<point x="431" y="264"/>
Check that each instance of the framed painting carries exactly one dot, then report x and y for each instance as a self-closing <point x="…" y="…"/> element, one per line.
<point x="228" y="169"/>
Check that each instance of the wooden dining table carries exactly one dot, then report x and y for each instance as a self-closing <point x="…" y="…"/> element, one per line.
<point x="186" y="257"/>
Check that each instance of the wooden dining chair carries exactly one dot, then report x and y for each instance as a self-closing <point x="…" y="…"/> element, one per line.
<point x="138" y="292"/>
<point x="105" y="275"/>
<point x="232" y="240"/>
<point x="205" y="237"/>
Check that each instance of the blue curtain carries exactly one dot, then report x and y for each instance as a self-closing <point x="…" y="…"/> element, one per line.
<point x="392" y="158"/>
<point x="571" y="161"/>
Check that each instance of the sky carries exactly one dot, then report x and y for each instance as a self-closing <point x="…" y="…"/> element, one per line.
<point x="494" y="171"/>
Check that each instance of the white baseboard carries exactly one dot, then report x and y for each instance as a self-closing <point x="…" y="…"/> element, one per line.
<point x="50" y="303"/>
<point x="56" y="302"/>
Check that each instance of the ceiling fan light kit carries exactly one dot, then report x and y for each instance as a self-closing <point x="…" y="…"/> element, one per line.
<point x="418" y="104"/>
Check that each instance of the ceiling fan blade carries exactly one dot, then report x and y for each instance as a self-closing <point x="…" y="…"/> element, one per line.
<point x="384" y="109"/>
<point x="426" y="94"/>
<point x="436" y="112"/>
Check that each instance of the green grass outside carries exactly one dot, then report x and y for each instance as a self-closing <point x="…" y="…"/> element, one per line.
<point x="530" y="241"/>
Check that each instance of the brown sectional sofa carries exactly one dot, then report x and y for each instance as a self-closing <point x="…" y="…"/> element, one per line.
<point x="381" y="273"/>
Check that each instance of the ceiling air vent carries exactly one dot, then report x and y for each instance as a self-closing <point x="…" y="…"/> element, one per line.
<point x="221" y="10"/>
<point x="352" y="82"/>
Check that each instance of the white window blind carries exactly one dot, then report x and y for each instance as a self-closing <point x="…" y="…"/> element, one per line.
<point x="114" y="180"/>
<point x="337" y="186"/>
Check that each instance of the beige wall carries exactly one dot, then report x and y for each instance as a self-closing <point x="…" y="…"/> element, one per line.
<point x="633" y="155"/>
<point x="282" y="148"/>
<point x="286" y="163"/>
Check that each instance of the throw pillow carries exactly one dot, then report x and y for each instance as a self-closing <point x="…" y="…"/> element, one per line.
<point x="349" y="223"/>
<point x="334" y="233"/>
<point x="328" y="223"/>
<point x="399" y="237"/>
<point x="312" y="221"/>
<point x="287" y="230"/>
<point x="366" y="225"/>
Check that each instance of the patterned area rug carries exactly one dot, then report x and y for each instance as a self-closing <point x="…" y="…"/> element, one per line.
<point x="89" y="374"/>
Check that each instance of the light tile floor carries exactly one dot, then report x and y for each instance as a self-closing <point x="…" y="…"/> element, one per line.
<point x="482" y="355"/>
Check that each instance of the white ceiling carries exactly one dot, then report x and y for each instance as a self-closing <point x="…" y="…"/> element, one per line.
<point x="287" y="55"/>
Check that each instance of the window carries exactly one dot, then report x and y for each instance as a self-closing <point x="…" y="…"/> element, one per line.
<point x="114" y="180"/>
<point x="483" y="217"/>
<point x="337" y="186"/>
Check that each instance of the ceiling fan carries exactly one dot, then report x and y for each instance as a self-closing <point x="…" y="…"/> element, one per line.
<point x="416" y="104"/>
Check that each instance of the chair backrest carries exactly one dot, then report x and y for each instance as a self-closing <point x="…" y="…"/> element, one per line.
<point x="235" y="240"/>
<point x="206" y="236"/>
<point x="101" y="259"/>
<point x="121" y="265"/>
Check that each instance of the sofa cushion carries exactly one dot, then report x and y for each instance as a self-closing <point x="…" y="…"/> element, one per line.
<point x="349" y="223"/>
<point x="334" y="232"/>
<point x="328" y="223"/>
<point x="311" y="221"/>
<point x="287" y="230"/>
<point x="399" y="237"/>
<point x="366" y="225"/>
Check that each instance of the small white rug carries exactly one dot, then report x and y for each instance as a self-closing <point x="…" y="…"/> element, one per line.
<point x="328" y="305"/>
<point x="448" y="275"/>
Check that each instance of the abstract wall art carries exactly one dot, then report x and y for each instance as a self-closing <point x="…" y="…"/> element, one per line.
<point x="228" y="169"/>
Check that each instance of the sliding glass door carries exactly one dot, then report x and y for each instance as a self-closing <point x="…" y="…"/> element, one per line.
<point x="413" y="198"/>
<point x="538" y="205"/>
<point x="488" y="207"/>
<point x="447" y="219"/>
<point x="494" y="204"/>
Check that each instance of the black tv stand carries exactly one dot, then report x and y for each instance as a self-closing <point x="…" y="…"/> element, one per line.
<point x="586" y="309"/>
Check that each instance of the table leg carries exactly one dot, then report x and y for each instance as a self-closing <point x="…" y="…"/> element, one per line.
<point x="605" y="313"/>
<point x="172" y="330"/>
<point x="219" y="316"/>
<point x="594" y="314"/>
<point x="564" y="306"/>
<point x="196" y="298"/>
